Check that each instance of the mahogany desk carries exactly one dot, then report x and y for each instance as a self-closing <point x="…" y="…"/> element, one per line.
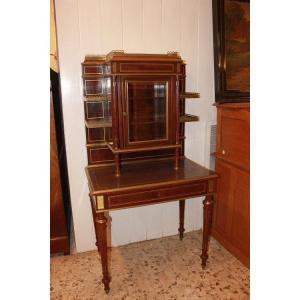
<point x="144" y="183"/>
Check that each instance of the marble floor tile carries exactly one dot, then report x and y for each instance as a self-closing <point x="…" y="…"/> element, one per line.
<point x="165" y="268"/>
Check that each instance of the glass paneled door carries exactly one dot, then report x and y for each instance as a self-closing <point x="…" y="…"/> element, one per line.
<point x="147" y="111"/>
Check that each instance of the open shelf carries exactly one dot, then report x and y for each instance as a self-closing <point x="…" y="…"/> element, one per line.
<point x="152" y="98"/>
<point x="189" y="95"/>
<point x="97" y="98"/>
<point x="188" y="118"/>
<point x="138" y="112"/>
<point x="102" y="123"/>
<point x="100" y="144"/>
<point x="120" y="151"/>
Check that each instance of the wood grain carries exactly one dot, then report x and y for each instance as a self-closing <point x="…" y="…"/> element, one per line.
<point x="231" y="226"/>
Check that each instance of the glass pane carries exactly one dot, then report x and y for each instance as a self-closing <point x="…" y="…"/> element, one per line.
<point x="147" y="111"/>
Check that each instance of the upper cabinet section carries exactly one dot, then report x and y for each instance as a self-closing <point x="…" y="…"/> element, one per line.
<point x="135" y="103"/>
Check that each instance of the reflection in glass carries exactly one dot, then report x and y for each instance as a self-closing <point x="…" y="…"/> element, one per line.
<point x="147" y="111"/>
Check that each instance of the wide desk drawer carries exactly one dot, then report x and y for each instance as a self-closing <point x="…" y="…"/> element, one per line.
<point x="168" y="193"/>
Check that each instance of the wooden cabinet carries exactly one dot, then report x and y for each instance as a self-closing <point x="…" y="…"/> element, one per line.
<point x="140" y="100"/>
<point x="134" y="107"/>
<point x="231" y="223"/>
<point x="59" y="235"/>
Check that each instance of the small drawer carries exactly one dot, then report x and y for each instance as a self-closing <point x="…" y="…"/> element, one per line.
<point x="98" y="154"/>
<point x="94" y="110"/>
<point x="96" y="86"/>
<point x="132" y="198"/>
<point x="184" y="191"/>
<point x="157" y="195"/>
<point x="233" y="138"/>
<point x="93" y="87"/>
<point x="95" y="135"/>
<point x="92" y="69"/>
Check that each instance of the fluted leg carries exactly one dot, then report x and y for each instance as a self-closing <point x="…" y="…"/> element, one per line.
<point x="101" y="224"/>
<point x="207" y="222"/>
<point x="94" y="220"/>
<point x="181" y="218"/>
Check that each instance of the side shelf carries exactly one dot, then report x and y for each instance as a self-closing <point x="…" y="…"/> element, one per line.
<point x="189" y="95"/>
<point x="102" y="123"/>
<point x="97" y="98"/>
<point x="188" y="118"/>
<point x="120" y="151"/>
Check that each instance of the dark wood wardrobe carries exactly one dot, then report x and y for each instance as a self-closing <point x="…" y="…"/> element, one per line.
<point x="60" y="209"/>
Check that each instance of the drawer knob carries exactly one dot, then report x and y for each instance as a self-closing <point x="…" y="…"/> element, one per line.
<point x="223" y="152"/>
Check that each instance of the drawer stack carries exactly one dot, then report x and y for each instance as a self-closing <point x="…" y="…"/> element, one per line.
<point x="97" y="108"/>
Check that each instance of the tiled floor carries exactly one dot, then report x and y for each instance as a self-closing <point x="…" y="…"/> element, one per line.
<point x="165" y="268"/>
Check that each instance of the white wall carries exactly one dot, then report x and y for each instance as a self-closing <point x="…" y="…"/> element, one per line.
<point x="149" y="26"/>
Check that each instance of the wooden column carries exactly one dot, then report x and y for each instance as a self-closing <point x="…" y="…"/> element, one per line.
<point x="207" y="222"/>
<point x="181" y="218"/>
<point x="177" y="155"/>
<point x="177" y="123"/>
<point x="101" y="224"/>
<point x="118" y="164"/>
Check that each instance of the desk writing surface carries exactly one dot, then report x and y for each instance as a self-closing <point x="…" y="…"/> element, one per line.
<point x="102" y="179"/>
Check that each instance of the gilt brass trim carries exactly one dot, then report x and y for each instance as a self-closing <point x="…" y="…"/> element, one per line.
<point x="99" y="145"/>
<point x="89" y="57"/>
<point x="100" y="202"/>
<point x="97" y="98"/>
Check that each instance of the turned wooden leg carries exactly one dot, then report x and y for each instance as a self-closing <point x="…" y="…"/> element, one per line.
<point x="101" y="224"/>
<point x="181" y="218"/>
<point x="94" y="220"/>
<point x="207" y="222"/>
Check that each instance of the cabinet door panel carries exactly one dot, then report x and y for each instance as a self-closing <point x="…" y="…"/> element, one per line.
<point x="231" y="225"/>
<point x="223" y="205"/>
<point x="147" y="111"/>
<point x="240" y="232"/>
<point x="233" y="136"/>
